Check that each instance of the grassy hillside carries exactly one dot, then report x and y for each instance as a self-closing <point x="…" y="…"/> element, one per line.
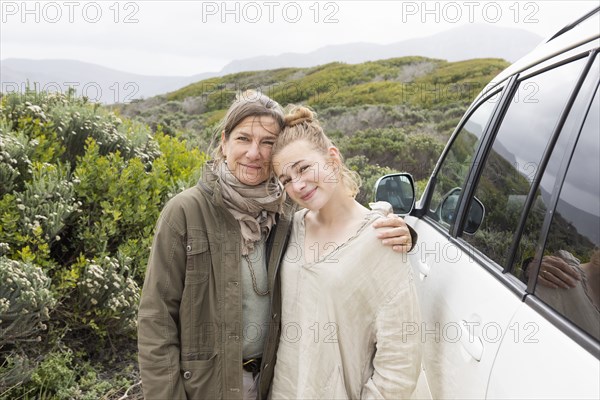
<point x="418" y="81"/>
<point x="414" y="102"/>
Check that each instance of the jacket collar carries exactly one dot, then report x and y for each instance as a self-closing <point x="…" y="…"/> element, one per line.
<point x="210" y="185"/>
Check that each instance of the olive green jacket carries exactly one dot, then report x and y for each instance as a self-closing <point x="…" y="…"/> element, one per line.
<point x="190" y="313"/>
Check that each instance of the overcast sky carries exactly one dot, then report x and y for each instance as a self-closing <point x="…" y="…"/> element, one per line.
<point x="191" y="37"/>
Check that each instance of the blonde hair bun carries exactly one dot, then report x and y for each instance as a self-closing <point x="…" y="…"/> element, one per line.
<point x="298" y="115"/>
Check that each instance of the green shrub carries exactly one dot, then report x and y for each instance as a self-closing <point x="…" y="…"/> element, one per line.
<point x="81" y="190"/>
<point x="25" y="301"/>
<point x="62" y="374"/>
<point x="48" y="200"/>
<point x="107" y="297"/>
<point x="369" y="174"/>
<point x="10" y="225"/>
<point x="55" y="374"/>
<point x="15" y="164"/>
<point x="15" y="369"/>
<point x="415" y="153"/>
<point x="121" y="200"/>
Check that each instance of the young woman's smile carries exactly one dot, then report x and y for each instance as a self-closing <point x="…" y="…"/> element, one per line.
<point x="310" y="178"/>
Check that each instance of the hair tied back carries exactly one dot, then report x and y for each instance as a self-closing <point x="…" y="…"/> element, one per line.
<point x="299" y="115"/>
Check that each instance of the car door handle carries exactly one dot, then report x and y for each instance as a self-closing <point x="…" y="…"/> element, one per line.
<point x="471" y="342"/>
<point x="423" y="269"/>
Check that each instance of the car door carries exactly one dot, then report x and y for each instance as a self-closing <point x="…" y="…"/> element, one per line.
<point x="462" y="324"/>
<point x="467" y="299"/>
<point x="553" y="347"/>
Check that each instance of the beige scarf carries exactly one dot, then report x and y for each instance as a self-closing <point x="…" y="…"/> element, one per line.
<point x="254" y="207"/>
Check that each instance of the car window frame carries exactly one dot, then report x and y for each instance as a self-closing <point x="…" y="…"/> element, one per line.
<point x="488" y="142"/>
<point x="556" y="318"/>
<point x="429" y="190"/>
<point x="485" y="148"/>
<point x="564" y="166"/>
<point x="506" y="92"/>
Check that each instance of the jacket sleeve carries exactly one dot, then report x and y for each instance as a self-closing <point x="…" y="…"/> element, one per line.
<point x="414" y="236"/>
<point x="397" y="361"/>
<point x="158" y="314"/>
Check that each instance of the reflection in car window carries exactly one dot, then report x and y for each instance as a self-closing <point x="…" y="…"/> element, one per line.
<point x="533" y="224"/>
<point x="512" y="163"/>
<point x="574" y="236"/>
<point x="457" y="162"/>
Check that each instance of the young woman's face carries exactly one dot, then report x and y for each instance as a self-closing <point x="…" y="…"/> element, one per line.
<point x="248" y="149"/>
<point x="310" y="178"/>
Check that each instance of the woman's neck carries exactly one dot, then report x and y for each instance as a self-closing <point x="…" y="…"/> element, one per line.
<point x="339" y="209"/>
<point x="331" y="226"/>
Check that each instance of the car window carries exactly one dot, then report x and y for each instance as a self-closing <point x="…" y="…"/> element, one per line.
<point x="512" y="162"/>
<point x="456" y="164"/>
<point x="529" y="240"/>
<point x="573" y="240"/>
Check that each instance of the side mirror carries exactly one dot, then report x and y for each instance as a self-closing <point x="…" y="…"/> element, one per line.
<point x="447" y="211"/>
<point x="398" y="190"/>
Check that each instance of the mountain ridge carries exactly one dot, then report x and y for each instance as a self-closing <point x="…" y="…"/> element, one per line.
<point x="513" y="44"/>
<point x="109" y="85"/>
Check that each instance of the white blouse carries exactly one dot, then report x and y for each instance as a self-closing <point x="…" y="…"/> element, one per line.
<point x="347" y="321"/>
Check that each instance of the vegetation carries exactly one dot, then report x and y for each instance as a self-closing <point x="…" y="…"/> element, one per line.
<point x="416" y="101"/>
<point x="81" y="188"/>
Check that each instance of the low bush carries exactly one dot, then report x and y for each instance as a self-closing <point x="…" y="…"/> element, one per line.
<point x="81" y="190"/>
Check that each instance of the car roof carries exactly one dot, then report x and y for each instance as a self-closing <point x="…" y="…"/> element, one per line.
<point x="584" y="32"/>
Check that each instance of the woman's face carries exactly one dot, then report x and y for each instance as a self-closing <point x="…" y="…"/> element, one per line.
<point x="310" y="178"/>
<point x="248" y="149"/>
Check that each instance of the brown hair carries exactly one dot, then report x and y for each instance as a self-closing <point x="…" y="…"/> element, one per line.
<point x="301" y="124"/>
<point x="246" y="104"/>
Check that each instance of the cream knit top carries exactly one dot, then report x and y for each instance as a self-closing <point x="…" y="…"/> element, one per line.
<point x="346" y="321"/>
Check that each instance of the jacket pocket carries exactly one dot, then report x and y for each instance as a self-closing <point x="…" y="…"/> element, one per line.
<point x="198" y="260"/>
<point x="196" y="310"/>
<point x="200" y="378"/>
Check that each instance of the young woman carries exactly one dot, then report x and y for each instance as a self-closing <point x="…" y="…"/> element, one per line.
<point x="349" y="306"/>
<point x="210" y="296"/>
